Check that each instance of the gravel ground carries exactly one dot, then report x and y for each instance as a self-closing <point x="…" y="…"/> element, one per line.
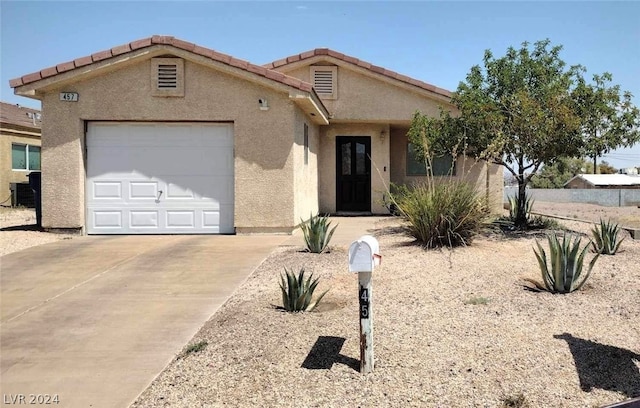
<point x="625" y="216"/>
<point x="453" y="328"/>
<point x="18" y="231"/>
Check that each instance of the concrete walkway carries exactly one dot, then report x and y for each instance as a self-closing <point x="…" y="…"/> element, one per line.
<point x="93" y="320"/>
<point x="349" y="229"/>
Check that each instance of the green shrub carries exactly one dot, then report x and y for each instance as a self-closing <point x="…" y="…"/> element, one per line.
<point x="514" y="209"/>
<point x="515" y="401"/>
<point x="445" y="214"/>
<point x="564" y="272"/>
<point x="297" y="292"/>
<point x="194" y="348"/>
<point x="317" y="233"/>
<point x="477" y="301"/>
<point x="605" y="238"/>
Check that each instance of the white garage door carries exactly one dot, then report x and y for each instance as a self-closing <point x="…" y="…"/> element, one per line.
<point x="159" y="178"/>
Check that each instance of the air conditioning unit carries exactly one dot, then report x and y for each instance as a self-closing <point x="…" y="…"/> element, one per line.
<point x="22" y="195"/>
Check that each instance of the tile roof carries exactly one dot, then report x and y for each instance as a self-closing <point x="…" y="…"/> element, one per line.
<point x="20" y="116"/>
<point x="161" y="40"/>
<point x="362" y="64"/>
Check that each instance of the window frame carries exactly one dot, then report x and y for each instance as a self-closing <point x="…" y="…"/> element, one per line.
<point x="306" y="144"/>
<point x="411" y="158"/>
<point x="27" y="156"/>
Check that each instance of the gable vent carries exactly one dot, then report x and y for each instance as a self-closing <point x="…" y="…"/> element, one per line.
<point x="167" y="76"/>
<point x="325" y="80"/>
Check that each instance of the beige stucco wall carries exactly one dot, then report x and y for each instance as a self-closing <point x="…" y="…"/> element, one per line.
<point x="364" y="98"/>
<point x="305" y="176"/>
<point x="264" y="161"/>
<point x="379" y="160"/>
<point x="7" y="175"/>
<point x="487" y="178"/>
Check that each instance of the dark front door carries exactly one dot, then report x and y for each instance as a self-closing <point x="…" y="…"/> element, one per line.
<point x="353" y="173"/>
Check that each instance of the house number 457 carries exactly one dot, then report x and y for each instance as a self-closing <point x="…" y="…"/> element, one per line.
<point x="69" y="96"/>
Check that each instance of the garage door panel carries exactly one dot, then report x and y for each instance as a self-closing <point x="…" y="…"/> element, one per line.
<point x="143" y="219"/>
<point x="143" y="190"/>
<point x="107" y="219"/>
<point x="108" y="190"/>
<point x="220" y="187"/>
<point x="180" y="219"/>
<point x="175" y="191"/>
<point x="159" y="178"/>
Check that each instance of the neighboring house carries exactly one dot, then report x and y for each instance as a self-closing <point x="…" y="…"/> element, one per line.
<point x="609" y="181"/>
<point x="19" y="152"/>
<point x="164" y="136"/>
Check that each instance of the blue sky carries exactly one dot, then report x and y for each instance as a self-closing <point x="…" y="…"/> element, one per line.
<point x="436" y="42"/>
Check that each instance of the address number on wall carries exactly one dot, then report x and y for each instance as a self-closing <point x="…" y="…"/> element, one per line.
<point x="69" y="96"/>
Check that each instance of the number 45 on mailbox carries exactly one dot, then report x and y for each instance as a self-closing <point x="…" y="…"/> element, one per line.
<point x="363" y="257"/>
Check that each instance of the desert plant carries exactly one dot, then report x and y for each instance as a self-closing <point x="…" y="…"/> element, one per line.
<point x="194" y="348"/>
<point x="443" y="214"/>
<point x="564" y="273"/>
<point x="515" y="401"/>
<point x="297" y="293"/>
<point x="517" y="206"/>
<point x="605" y="238"/>
<point x="477" y="301"/>
<point x="317" y="233"/>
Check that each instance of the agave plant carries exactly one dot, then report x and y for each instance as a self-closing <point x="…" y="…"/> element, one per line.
<point x="564" y="273"/>
<point x="605" y="238"/>
<point x="297" y="292"/>
<point x="317" y="233"/>
<point x="514" y="208"/>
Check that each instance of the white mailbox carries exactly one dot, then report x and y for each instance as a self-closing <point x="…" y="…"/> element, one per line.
<point x="364" y="254"/>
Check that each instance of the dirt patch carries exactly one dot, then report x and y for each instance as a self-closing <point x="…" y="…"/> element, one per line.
<point x="18" y="231"/>
<point x="436" y="345"/>
<point x="625" y="216"/>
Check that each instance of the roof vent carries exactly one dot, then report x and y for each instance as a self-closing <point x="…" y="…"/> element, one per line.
<point x="325" y="81"/>
<point x="167" y="77"/>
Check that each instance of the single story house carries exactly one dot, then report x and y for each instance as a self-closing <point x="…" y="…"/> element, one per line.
<point x="606" y="181"/>
<point x="19" y="153"/>
<point x="165" y="136"/>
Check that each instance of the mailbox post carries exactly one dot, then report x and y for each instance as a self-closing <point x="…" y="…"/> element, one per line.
<point x="363" y="256"/>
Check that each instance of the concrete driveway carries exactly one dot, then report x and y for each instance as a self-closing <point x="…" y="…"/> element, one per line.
<point x="93" y="320"/>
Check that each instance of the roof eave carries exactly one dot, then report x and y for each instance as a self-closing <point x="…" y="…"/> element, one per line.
<point x="37" y="88"/>
<point x="34" y="84"/>
<point x="307" y="58"/>
<point x="311" y="105"/>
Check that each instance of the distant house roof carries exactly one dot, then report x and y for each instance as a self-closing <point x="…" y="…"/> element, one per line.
<point x="357" y="62"/>
<point x="608" y="179"/>
<point x="17" y="115"/>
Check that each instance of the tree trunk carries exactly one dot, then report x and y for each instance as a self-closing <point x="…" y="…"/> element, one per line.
<point x="595" y="164"/>
<point x="521" y="213"/>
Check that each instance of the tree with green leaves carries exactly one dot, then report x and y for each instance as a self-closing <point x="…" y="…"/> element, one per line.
<point x="520" y="111"/>
<point x="609" y="118"/>
<point x="605" y="168"/>
<point x="556" y="174"/>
